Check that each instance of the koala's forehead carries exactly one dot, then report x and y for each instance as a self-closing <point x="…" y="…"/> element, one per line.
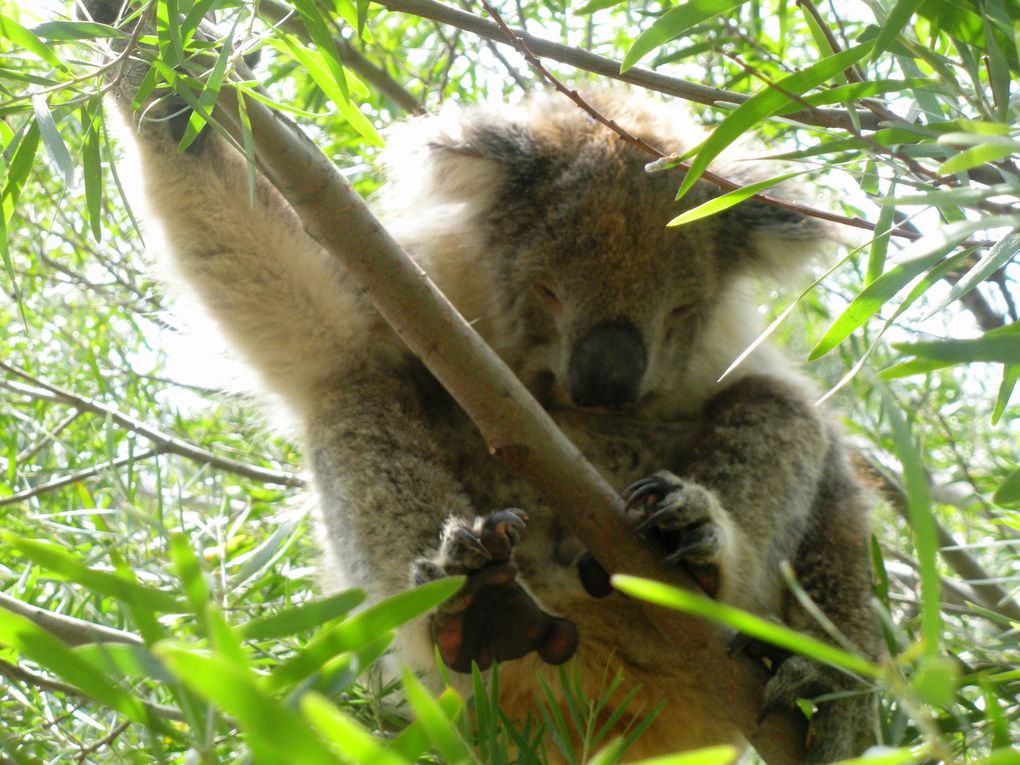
<point x="597" y="203"/>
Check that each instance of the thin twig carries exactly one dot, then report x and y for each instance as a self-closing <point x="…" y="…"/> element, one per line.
<point x="72" y="478"/>
<point x="14" y="672"/>
<point x="164" y="442"/>
<point x="106" y="740"/>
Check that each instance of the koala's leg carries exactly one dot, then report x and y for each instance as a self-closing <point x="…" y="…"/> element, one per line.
<point x="832" y="567"/>
<point x="394" y="515"/>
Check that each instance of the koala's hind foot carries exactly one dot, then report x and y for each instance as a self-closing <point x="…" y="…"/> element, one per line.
<point x="687" y="519"/>
<point x="841" y="726"/>
<point x="491" y="618"/>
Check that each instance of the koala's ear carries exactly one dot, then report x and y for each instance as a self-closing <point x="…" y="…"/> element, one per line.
<point x="463" y="158"/>
<point x="775" y="241"/>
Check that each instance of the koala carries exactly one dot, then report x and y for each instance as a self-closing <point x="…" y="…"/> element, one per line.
<point x="544" y="230"/>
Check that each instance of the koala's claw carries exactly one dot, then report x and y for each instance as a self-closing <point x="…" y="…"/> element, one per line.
<point x="644" y="490"/>
<point x="684" y="517"/>
<point x="491" y="618"/>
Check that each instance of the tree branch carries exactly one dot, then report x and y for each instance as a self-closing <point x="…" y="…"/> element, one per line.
<point x="607" y="67"/>
<point x="515" y="427"/>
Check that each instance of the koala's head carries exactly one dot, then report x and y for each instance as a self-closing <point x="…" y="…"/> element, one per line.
<point x="543" y="227"/>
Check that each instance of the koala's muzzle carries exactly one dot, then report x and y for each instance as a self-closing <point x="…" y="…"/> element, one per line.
<point x="607" y="365"/>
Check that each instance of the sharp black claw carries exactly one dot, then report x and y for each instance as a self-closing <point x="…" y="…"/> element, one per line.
<point x="641" y="491"/>
<point x="470" y="540"/>
<point x="652" y="520"/>
<point x="512" y="516"/>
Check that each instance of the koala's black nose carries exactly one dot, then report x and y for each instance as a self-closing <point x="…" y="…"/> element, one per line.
<point x="607" y="365"/>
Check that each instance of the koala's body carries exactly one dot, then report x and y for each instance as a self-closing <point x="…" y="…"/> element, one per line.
<point x="544" y="230"/>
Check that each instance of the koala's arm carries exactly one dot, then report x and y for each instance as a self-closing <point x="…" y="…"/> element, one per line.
<point x="283" y="302"/>
<point x="761" y="452"/>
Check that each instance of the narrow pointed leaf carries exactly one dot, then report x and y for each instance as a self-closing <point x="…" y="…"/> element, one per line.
<point x="674" y="23"/>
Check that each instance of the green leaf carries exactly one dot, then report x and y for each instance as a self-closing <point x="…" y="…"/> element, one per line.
<point x="92" y="168"/>
<point x="712" y="755"/>
<point x="1010" y="374"/>
<point x="124" y="659"/>
<point x="210" y="92"/>
<point x="317" y="67"/>
<point x="728" y="200"/>
<point x="1001" y="345"/>
<point x="51" y="139"/>
<point x="674" y="23"/>
<point x="922" y="522"/>
<point x="435" y="721"/>
<point x="935" y="680"/>
<point x="58" y="560"/>
<point x="744" y="622"/>
<point x="33" y="641"/>
<point x="356" y="744"/>
<point x="974" y="156"/>
<point x="77" y="30"/>
<point x="918" y="257"/>
<point x="596" y="5"/>
<point x="898" y="18"/>
<point x="765" y="104"/>
<point x="1008" y="492"/>
<point x="998" y="256"/>
<point x="22" y="38"/>
<point x="269" y="724"/>
<point x="306" y="616"/>
<point x="366" y="626"/>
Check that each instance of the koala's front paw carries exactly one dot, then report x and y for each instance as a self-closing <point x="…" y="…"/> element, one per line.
<point x="842" y="726"/>
<point x="491" y="618"/>
<point x="686" y="518"/>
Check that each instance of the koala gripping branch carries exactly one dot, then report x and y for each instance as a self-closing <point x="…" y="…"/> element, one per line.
<point x="516" y="428"/>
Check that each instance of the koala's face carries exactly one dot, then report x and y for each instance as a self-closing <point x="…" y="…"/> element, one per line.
<point x="608" y="303"/>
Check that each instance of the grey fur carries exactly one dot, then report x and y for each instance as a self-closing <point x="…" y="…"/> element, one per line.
<point x="503" y="207"/>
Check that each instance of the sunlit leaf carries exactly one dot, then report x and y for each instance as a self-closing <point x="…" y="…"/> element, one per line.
<point x="674" y="23"/>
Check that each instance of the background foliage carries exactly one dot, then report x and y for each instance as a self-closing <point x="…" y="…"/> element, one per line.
<point x="138" y="496"/>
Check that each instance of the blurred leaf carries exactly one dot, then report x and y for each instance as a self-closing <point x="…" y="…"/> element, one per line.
<point x="596" y="5"/>
<point x="974" y="156"/>
<point x="59" y="561"/>
<point x="51" y="139"/>
<point x="26" y="637"/>
<point x="366" y="626"/>
<point x="268" y="724"/>
<point x="935" y="680"/>
<point x="92" y="168"/>
<point x="435" y="720"/>
<point x="998" y="345"/>
<point x="1010" y="373"/>
<point x="744" y="622"/>
<point x="76" y="30"/>
<point x="1008" y="492"/>
<point x="712" y="755"/>
<point x="674" y="23"/>
<point x="306" y="616"/>
<point x="356" y="744"/>
<point x="22" y="38"/>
